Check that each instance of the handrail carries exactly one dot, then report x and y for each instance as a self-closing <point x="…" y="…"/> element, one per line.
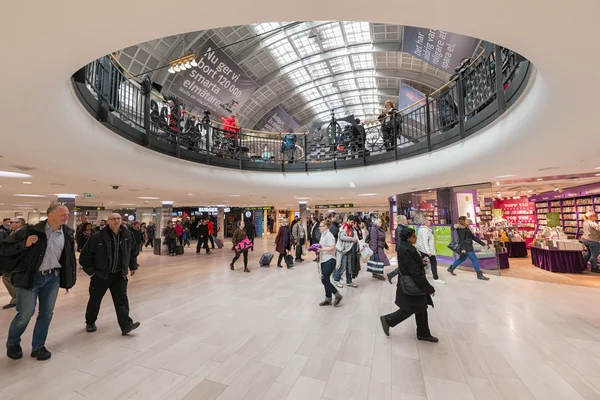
<point x="451" y="113"/>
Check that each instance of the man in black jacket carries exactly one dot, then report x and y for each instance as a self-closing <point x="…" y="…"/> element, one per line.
<point x="335" y="226"/>
<point x="7" y="263"/>
<point x="402" y="222"/>
<point x="203" y="235"/>
<point x="109" y="257"/>
<point x="44" y="260"/>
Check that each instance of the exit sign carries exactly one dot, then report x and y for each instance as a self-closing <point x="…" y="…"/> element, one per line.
<point x="88" y="195"/>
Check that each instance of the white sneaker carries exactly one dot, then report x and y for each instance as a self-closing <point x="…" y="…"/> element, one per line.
<point x="428" y="271"/>
<point x="441" y="282"/>
<point x="338" y="284"/>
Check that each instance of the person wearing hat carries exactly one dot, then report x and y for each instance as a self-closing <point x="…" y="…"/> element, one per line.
<point x="411" y="264"/>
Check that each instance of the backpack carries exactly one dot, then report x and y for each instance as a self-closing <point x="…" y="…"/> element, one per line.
<point x="289" y="141"/>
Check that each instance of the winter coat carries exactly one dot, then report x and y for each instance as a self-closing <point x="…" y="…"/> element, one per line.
<point x="410" y="263"/>
<point x="98" y="256"/>
<point x="377" y="244"/>
<point x="137" y="235"/>
<point x="81" y="239"/>
<point x="425" y="241"/>
<point x="251" y="230"/>
<point x="397" y="235"/>
<point x="298" y="233"/>
<point x="150" y="230"/>
<point x="179" y="230"/>
<point x="238" y="236"/>
<point x="27" y="260"/>
<point x="315" y="234"/>
<point x="203" y="231"/>
<point x="169" y="233"/>
<point x="466" y="238"/>
<point x="283" y="240"/>
<point x="345" y="242"/>
<point x="335" y="229"/>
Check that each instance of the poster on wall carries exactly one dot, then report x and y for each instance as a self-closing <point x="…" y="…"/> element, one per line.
<point x="553" y="220"/>
<point x="439" y="48"/>
<point x="217" y="84"/>
<point x="277" y="120"/>
<point x="466" y="206"/>
<point x="408" y="96"/>
<point x="443" y="236"/>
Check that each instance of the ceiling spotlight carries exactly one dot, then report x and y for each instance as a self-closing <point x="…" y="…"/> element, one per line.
<point x="193" y="63"/>
<point x="367" y="194"/>
<point x="530" y="191"/>
<point x="7" y="174"/>
<point x="540" y="179"/>
<point x="504" y="176"/>
<point x="188" y="65"/>
<point x="183" y="63"/>
<point x="171" y="70"/>
<point x="27" y="183"/>
<point x="177" y="69"/>
<point x="556" y="189"/>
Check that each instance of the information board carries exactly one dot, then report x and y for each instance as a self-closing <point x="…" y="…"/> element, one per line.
<point x="443" y="236"/>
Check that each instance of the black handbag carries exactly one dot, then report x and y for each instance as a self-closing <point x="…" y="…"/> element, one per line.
<point x="454" y="246"/>
<point x="408" y="285"/>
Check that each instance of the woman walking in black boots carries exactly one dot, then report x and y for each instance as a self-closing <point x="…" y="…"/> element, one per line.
<point x="465" y="239"/>
<point x="410" y="264"/>
<point x="241" y="245"/>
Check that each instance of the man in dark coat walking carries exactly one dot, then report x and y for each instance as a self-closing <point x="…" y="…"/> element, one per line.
<point x="411" y="265"/>
<point x="44" y="260"/>
<point x="109" y="257"/>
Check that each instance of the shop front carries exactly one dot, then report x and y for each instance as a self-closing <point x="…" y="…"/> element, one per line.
<point x="260" y="217"/>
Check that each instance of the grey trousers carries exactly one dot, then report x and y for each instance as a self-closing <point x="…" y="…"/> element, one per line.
<point x="10" y="288"/>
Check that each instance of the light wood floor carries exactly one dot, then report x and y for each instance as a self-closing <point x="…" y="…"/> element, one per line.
<point x="524" y="269"/>
<point x="208" y="333"/>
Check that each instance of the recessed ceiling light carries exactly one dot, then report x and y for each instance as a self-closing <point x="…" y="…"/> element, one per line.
<point x="530" y="191"/>
<point x="597" y="168"/>
<point x="302" y="198"/>
<point x="27" y="183"/>
<point x="597" y="174"/>
<point x="28" y="195"/>
<point x="190" y="194"/>
<point x="234" y="195"/>
<point x="127" y="204"/>
<point x="7" y="174"/>
<point x="367" y="194"/>
<point x="540" y="179"/>
<point x="352" y="185"/>
<point x="149" y="198"/>
<point x="71" y="195"/>
<point x="504" y="176"/>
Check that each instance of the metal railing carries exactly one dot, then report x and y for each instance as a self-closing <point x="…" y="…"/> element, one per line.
<point x="437" y="120"/>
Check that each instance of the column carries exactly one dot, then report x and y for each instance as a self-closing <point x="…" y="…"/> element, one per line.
<point x="166" y="215"/>
<point x="303" y="220"/>
<point x="265" y="223"/>
<point x="68" y="201"/>
<point x="221" y="223"/>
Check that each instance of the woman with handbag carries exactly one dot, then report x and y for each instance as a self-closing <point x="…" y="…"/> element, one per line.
<point x="414" y="292"/>
<point x="241" y="245"/>
<point x="283" y="242"/>
<point x="378" y="244"/>
<point x="465" y="241"/>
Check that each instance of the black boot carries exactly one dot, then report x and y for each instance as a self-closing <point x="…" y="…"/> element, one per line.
<point x="482" y="277"/>
<point x="451" y="270"/>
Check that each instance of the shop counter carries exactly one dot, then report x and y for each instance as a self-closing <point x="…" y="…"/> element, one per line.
<point x="558" y="260"/>
<point x="516" y="249"/>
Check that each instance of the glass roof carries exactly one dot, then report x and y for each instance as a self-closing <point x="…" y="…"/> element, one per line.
<point x="307" y="68"/>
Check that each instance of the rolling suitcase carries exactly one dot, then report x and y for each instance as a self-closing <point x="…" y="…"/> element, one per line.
<point x="218" y="242"/>
<point x="266" y="259"/>
<point x="179" y="250"/>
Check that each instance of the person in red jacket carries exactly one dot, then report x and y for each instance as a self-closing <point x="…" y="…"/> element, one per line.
<point x="232" y="127"/>
<point x="179" y="231"/>
<point x="211" y="232"/>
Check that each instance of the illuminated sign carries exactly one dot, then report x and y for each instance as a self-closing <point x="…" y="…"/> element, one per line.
<point x="333" y="206"/>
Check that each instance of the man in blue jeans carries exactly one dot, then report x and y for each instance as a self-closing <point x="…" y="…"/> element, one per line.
<point x="348" y="237"/>
<point x="44" y="260"/>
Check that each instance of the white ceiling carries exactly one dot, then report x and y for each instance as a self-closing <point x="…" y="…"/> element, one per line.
<point x="46" y="128"/>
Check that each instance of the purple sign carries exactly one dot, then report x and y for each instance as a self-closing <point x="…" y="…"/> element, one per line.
<point x="578" y="191"/>
<point x="277" y="120"/>
<point x="440" y="48"/>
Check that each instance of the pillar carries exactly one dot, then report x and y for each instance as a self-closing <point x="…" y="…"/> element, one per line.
<point x="69" y="202"/>
<point x="303" y="220"/>
<point x="166" y="215"/>
<point x="221" y="223"/>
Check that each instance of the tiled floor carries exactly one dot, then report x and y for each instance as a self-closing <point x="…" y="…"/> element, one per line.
<point x="209" y="333"/>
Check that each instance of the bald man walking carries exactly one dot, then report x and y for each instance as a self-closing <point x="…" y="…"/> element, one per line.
<point x="109" y="257"/>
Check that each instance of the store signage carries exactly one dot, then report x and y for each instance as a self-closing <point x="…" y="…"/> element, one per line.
<point x="440" y="48"/>
<point x="217" y="84"/>
<point x="442" y="236"/>
<point x="277" y="120"/>
<point x="265" y="208"/>
<point x="333" y="206"/>
<point x="87" y="208"/>
<point x="88" y="195"/>
<point x="497" y="212"/>
<point x="553" y="219"/>
<point x="248" y="214"/>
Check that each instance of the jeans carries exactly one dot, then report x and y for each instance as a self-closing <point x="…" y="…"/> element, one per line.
<point x="6" y="277"/>
<point x="237" y="256"/>
<point x="203" y="243"/>
<point x="463" y="257"/>
<point x="593" y="250"/>
<point x="150" y="242"/>
<point x="344" y="265"/>
<point x="118" y="290"/>
<point x="44" y="290"/>
<point x="327" y="269"/>
<point x="400" y="315"/>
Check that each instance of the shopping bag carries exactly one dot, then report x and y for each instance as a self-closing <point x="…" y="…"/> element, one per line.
<point x="374" y="265"/>
<point x="366" y="253"/>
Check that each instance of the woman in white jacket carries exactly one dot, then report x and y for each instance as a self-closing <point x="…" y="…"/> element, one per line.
<point x="426" y="246"/>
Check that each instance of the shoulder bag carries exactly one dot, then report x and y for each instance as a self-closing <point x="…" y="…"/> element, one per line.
<point x="454" y="246"/>
<point x="408" y="286"/>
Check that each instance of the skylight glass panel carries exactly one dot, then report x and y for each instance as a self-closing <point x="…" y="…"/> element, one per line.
<point x="347" y="85"/>
<point x="306" y="46"/>
<point x="319" y="70"/>
<point x="337" y="103"/>
<point x="363" y="61"/>
<point x="341" y="64"/>
<point x="311" y="94"/>
<point x="366" y="82"/>
<point x="328" y="89"/>
<point x="265" y="27"/>
<point x="319" y="108"/>
<point x="299" y="76"/>
<point x="357" y="32"/>
<point x="283" y="52"/>
<point x="352" y="100"/>
<point x="331" y="36"/>
<point x="370" y="99"/>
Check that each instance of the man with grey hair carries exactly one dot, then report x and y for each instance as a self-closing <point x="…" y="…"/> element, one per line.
<point x="7" y="264"/>
<point x="402" y="222"/>
<point x="44" y="257"/>
<point x="109" y="257"/>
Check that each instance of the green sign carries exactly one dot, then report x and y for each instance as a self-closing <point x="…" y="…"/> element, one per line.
<point x="88" y="195"/>
<point x="497" y="212"/>
<point x="442" y="236"/>
<point x="553" y="219"/>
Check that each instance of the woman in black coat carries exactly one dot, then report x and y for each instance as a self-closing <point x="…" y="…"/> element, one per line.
<point x="466" y="239"/>
<point x="410" y="264"/>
